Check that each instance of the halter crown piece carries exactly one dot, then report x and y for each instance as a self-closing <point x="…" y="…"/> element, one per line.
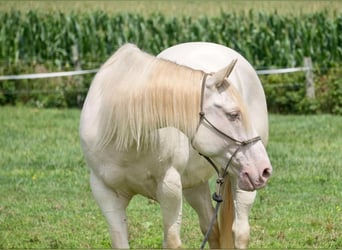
<point x="220" y="174"/>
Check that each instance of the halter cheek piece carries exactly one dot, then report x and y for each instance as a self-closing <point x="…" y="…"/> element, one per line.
<point x="221" y="174"/>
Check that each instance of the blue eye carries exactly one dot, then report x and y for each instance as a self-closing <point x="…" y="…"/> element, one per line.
<point x="234" y="115"/>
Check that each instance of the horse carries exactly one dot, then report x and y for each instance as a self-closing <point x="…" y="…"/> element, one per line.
<point x="211" y="57"/>
<point x="146" y="123"/>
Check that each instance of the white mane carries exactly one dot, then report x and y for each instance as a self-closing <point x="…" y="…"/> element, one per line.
<point x="140" y="93"/>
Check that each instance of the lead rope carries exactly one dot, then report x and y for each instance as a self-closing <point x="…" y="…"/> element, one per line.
<point x="212" y="222"/>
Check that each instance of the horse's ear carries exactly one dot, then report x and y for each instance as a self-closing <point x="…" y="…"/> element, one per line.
<point x="219" y="76"/>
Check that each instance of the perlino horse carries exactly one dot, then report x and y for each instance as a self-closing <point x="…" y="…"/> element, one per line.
<point x="141" y="133"/>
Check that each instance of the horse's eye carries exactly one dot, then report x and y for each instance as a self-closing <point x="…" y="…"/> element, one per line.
<point x="233" y="116"/>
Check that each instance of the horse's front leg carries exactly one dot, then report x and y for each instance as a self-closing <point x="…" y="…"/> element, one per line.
<point x="243" y="202"/>
<point x="169" y="195"/>
<point x="113" y="206"/>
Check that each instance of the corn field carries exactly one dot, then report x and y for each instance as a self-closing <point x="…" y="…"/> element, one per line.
<point x="42" y="42"/>
<point x="264" y="39"/>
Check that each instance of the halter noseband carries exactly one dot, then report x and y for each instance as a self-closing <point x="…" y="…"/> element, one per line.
<point x="221" y="174"/>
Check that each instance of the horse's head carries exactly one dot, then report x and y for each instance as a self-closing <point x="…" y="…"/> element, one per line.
<point x="226" y="135"/>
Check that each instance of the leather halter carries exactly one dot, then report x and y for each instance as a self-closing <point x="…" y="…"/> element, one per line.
<point x="221" y="174"/>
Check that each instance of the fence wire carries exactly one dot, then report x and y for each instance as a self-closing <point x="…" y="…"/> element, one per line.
<point x="93" y="71"/>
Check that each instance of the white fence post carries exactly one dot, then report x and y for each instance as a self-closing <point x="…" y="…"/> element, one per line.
<point x="77" y="64"/>
<point x="76" y="57"/>
<point x="310" y="84"/>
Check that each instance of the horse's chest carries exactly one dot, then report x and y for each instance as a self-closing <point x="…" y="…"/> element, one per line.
<point x="197" y="171"/>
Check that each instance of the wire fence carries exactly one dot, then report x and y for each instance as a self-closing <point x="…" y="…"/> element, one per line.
<point x="93" y="71"/>
<point x="307" y="69"/>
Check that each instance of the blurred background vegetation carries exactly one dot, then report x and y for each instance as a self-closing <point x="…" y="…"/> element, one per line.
<point x="37" y="37"/>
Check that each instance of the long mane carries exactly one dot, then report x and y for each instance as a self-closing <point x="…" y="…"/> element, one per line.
<point x="140" y="93"/>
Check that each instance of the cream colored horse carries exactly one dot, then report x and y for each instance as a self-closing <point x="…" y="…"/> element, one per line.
<point x="211" y="57"/>
<point x="139" y="128"/>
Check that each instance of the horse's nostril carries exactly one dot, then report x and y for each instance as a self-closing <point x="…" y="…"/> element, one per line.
<point x="266" y="173"/>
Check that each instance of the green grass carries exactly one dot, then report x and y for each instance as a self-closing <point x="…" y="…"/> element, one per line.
<point x="46" y="201"/>
<point x="176" y="8"/>
<point x="301" y="206"/>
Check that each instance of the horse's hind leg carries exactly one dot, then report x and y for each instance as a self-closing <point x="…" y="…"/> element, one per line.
<point x="199" y="199"/>
<point x="169" y="195"/>
<point x="113" y="206"/>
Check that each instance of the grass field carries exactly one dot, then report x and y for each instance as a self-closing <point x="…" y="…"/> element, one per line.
<point x="46" y="201"/>
<point x="192" y="8"/>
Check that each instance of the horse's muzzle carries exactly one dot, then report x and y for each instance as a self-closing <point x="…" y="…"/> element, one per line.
<point x="252" y="178"/>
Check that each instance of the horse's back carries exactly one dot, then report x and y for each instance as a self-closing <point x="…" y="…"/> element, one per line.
<point x="211" y="57"/>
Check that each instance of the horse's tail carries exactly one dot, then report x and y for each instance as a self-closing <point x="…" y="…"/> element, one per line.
<point x="226" y="216"/>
